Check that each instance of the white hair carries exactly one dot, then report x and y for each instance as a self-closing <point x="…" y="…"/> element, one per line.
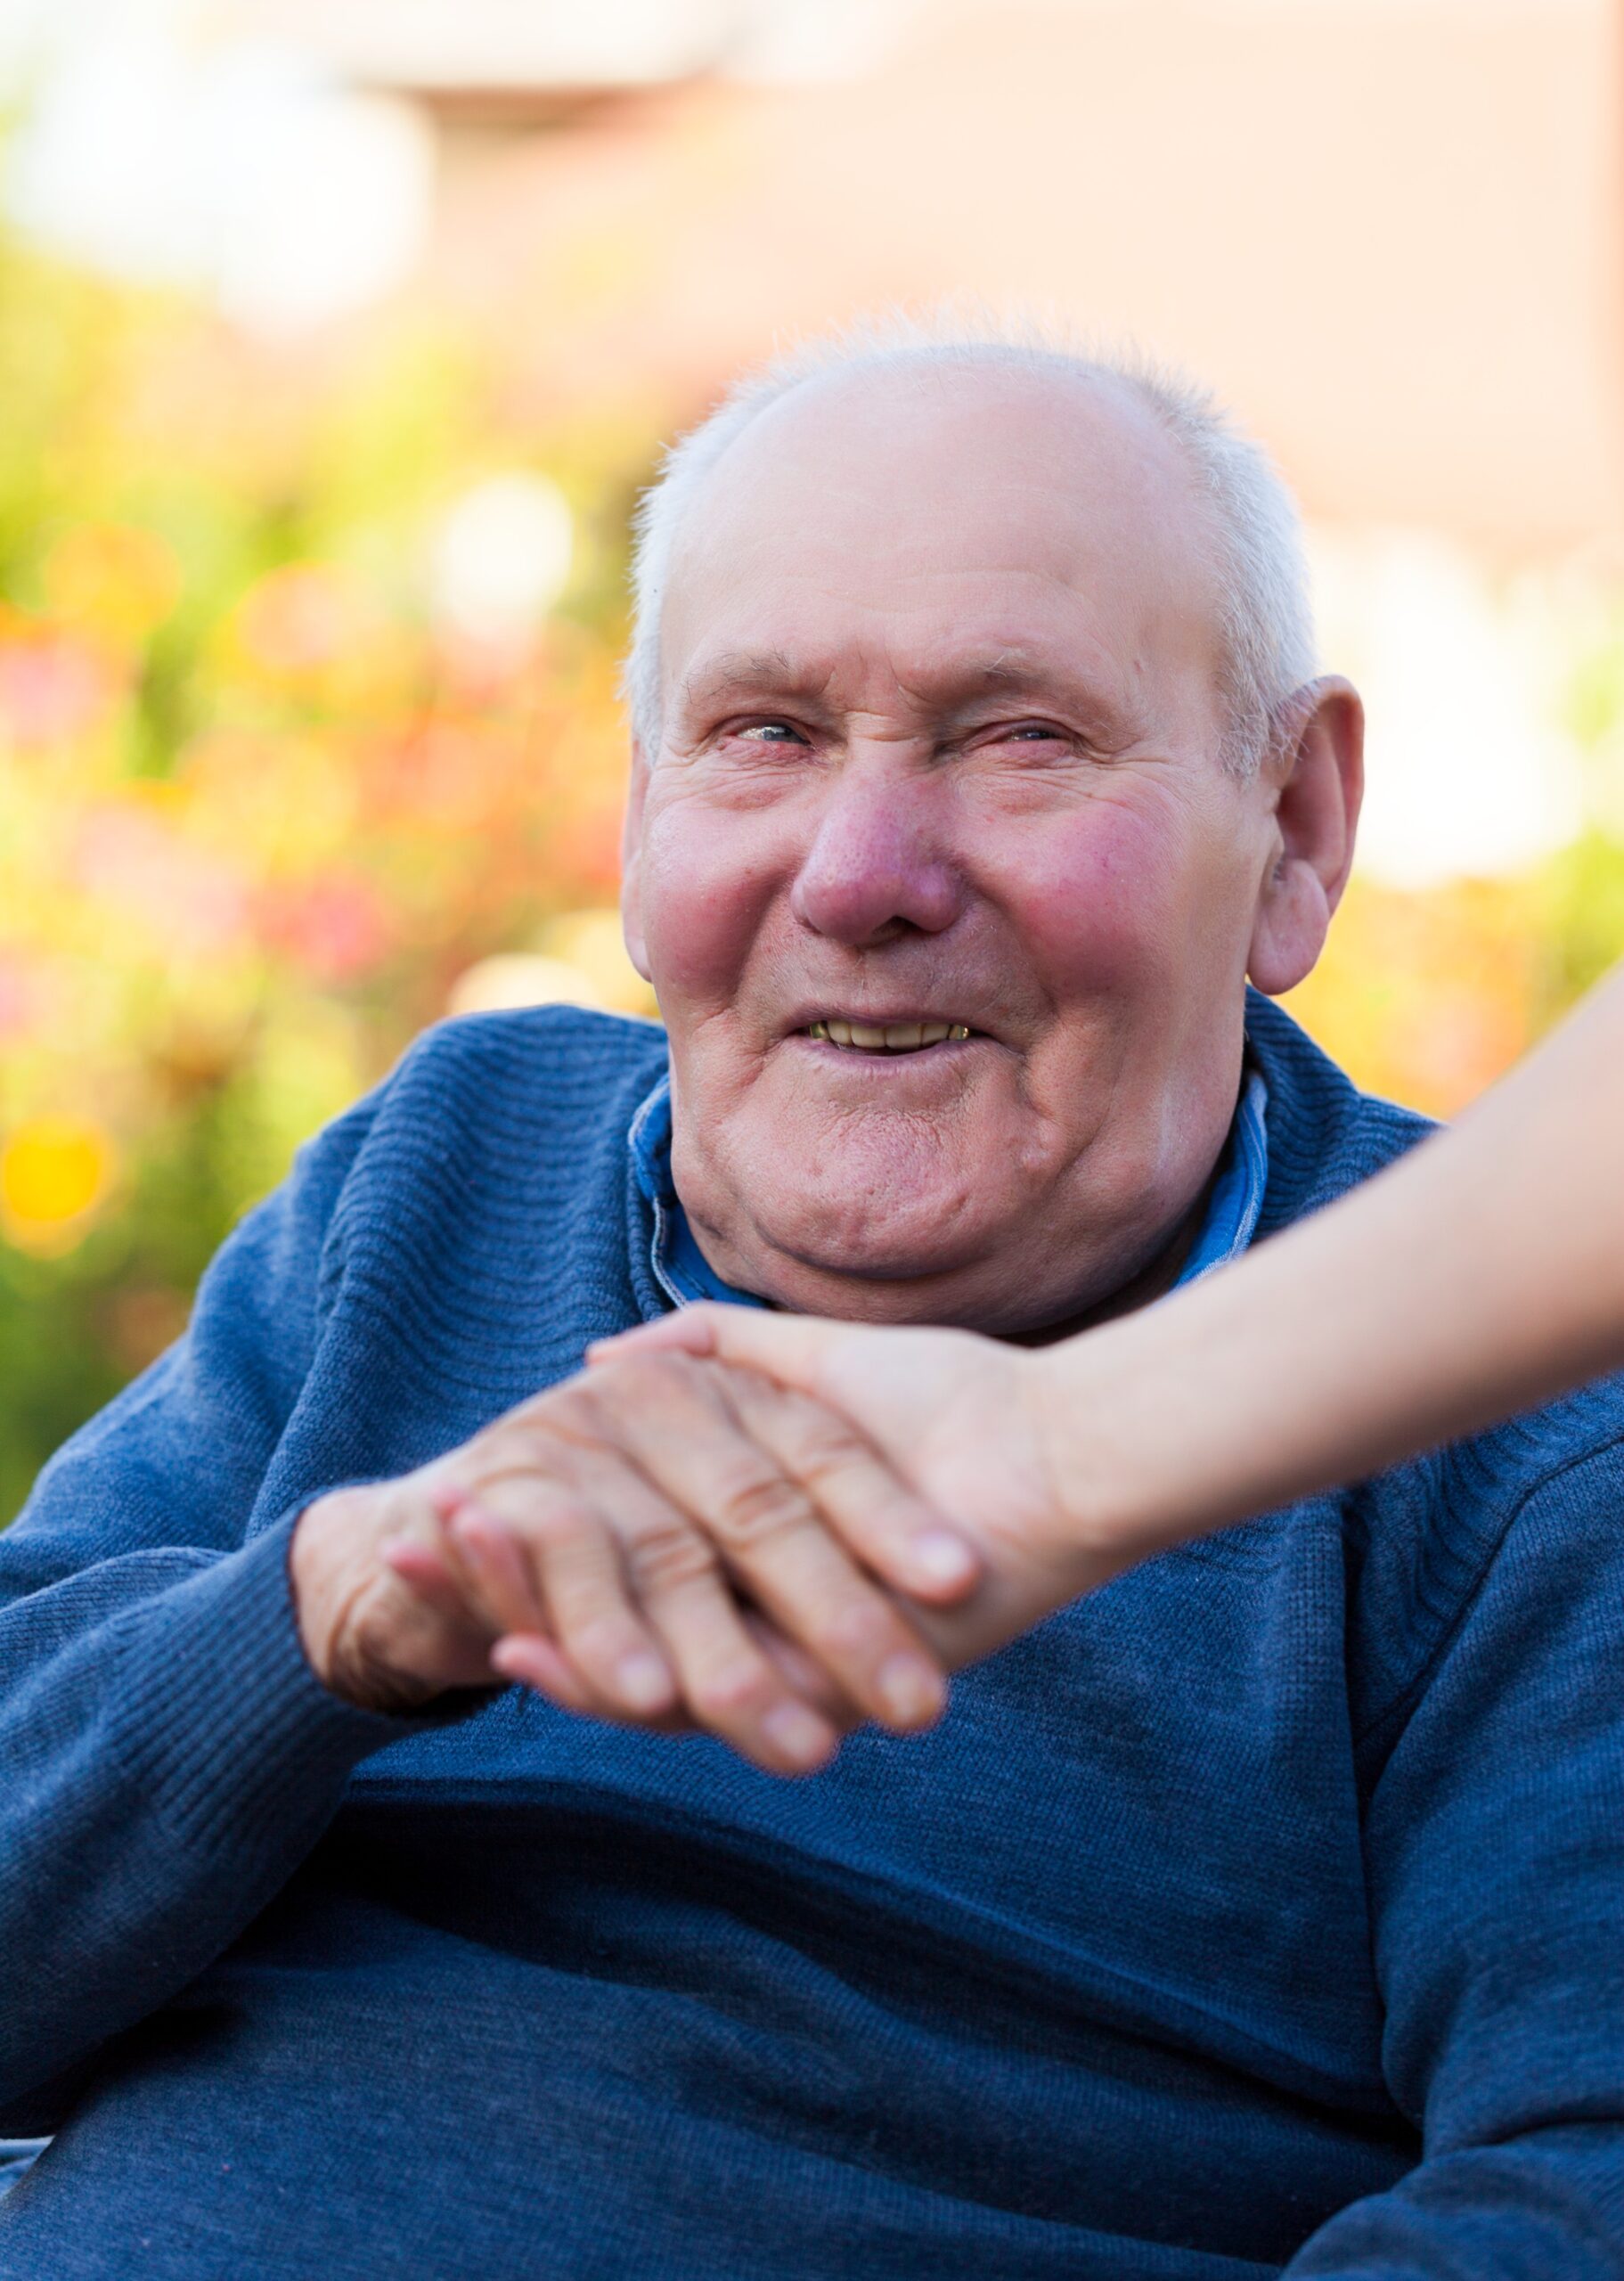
<point x="1265" y="621"/>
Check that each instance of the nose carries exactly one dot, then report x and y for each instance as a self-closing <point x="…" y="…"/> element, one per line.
<point x="876" y="870"/>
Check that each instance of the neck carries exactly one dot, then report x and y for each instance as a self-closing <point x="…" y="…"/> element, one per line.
<point x="1153" y="1282"/>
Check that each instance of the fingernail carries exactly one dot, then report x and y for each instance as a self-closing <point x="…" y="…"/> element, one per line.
<point x="909" y="1689"/>
<point x="643" y="1680"/>
<point x="797" y="1733"/>
<point x="941" y="1558"/>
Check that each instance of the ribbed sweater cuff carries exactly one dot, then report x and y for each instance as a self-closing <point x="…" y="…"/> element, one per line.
<point x="235" y="1741"/>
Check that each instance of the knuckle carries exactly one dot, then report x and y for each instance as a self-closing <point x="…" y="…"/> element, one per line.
<point x="559" y="1420"/>
<point x="557" y="1524"/>
<point x="849" y="1630"/>
<point x="730" y="1691"/>
<point x="754" y="1507"/>
<point x="666" y="1555"/>
<point x="597" y="1640"/>
<point x="652" y="1378"/>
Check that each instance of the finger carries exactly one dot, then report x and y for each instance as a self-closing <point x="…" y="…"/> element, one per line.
<point x="534" y="1660"/>
<point x="539" y="1663"/>
<point x="912" y="1546"/>
<point x="422" y="1564"/>
<point x="890" y="1528"/>
<point x="427" y="1575"/>
<point x="729" y="1684"/>
<point x="801" y="1676"/>
<point x="789" y="1348"/>
<point x="691" y="1443"/>
<point x="497" y="1570"/>
<point x="575" y="1558"/>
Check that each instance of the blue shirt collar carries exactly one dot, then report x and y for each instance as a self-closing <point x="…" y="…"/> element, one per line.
<point x="684" y="1274"/>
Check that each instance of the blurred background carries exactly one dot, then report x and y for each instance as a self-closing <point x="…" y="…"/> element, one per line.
<point x="336" y="337"/>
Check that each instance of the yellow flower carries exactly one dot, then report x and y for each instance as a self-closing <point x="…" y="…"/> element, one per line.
<point x="112" y="580"/>
<point x="53" y="1173"/>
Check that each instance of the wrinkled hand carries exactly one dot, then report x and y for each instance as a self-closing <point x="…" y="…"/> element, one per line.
<point x="664" y="1540"/>
<point x="979" y="1430"/>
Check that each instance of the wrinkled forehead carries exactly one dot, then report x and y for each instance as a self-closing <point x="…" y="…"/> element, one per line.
<point x="946" y="504"/>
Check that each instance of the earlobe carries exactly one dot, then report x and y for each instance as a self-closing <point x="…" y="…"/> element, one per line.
<point x="1318" y="763"/>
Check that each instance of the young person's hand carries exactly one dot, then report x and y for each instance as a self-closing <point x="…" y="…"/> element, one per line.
<point x="663" y="1540"/>
<point x="1013" y="1446"/>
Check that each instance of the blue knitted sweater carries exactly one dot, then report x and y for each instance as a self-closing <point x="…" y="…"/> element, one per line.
<point x="1263" y="1910"/>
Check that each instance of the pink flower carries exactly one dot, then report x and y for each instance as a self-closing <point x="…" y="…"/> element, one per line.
<point x="188" y="900"/>
<point x="50" y="688"/>
<point x="336" y="927"/>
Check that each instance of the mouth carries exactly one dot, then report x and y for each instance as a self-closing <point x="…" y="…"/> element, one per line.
<point x="884" y="1037"/>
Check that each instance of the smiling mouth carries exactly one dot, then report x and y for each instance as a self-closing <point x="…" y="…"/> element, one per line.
<point x="887" y="1037"/>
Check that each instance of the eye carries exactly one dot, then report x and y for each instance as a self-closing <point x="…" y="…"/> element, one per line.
<point x="766" y="733"/>
<point x="771" y="732"/>
<point x="1038" y="735"/>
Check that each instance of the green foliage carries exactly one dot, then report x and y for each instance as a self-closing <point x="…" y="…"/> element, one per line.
<point x="258" y="810"/>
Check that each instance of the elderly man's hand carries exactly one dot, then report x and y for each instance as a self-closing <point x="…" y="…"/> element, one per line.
<point x="1034" y="1456"/>
<point x="663" y="1540"/>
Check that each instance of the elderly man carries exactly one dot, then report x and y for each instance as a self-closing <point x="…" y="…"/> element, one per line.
<point x="1248" y="1913"/>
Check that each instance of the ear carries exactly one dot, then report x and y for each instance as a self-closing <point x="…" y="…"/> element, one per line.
<point x="1316" y="766"/>
<point x="632" y="863"/>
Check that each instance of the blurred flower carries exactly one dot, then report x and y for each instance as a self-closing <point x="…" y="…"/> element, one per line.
<point x="52" y="688"/>
<point x="593" y="944"/>
<point x="53" y="1173"/>
<point x="301" y="622"/>
<point x="131" y="858"/>
<point x="514" y="978"/>
<point x="580" y="959"/>
<point x="19" y="996"/>
<point x="111" y="580"/>
<point x="501" y="560"/>
<point x="336" y="927"/>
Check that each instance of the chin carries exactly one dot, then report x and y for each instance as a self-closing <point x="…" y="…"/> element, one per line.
<point x="883" y="1239"/>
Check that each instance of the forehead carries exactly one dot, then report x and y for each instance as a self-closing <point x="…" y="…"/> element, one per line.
<point x="945" y="510"/>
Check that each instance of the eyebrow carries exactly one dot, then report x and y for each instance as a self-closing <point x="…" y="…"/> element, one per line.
<point x="736" y="669"/>
<point x="775" y="672"/>
<point x="1014" y="669"/>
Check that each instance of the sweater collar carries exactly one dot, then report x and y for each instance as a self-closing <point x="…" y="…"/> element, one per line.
<point x="683" y="1273"/>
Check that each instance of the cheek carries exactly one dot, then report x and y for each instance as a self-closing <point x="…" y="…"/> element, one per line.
<point x="707" y="881"/>
<point x="1106" y="899"/>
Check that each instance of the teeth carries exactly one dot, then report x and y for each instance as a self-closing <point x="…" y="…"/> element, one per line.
<point x="891" y="1037"/>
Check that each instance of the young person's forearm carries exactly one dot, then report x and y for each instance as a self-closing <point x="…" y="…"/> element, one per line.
<point x="1484" y="1273"/>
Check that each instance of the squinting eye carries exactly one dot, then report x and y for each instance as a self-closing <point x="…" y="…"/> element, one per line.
<point x="773" y="732"/>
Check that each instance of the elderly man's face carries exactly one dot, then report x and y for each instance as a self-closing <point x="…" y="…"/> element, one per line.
<point x="941" y="754"/>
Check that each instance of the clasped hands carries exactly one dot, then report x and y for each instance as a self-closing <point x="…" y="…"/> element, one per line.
<point x="769" y="1528"/>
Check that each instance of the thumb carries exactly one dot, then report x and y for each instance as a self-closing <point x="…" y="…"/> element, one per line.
<point x="790" y="1349"/>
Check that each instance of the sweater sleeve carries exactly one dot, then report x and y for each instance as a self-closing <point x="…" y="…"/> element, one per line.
<point x="1495" y="1850"/>
<point x="168" y="1755"/>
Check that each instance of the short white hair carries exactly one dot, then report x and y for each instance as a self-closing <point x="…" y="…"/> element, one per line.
<point x="1265" y="619"/>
